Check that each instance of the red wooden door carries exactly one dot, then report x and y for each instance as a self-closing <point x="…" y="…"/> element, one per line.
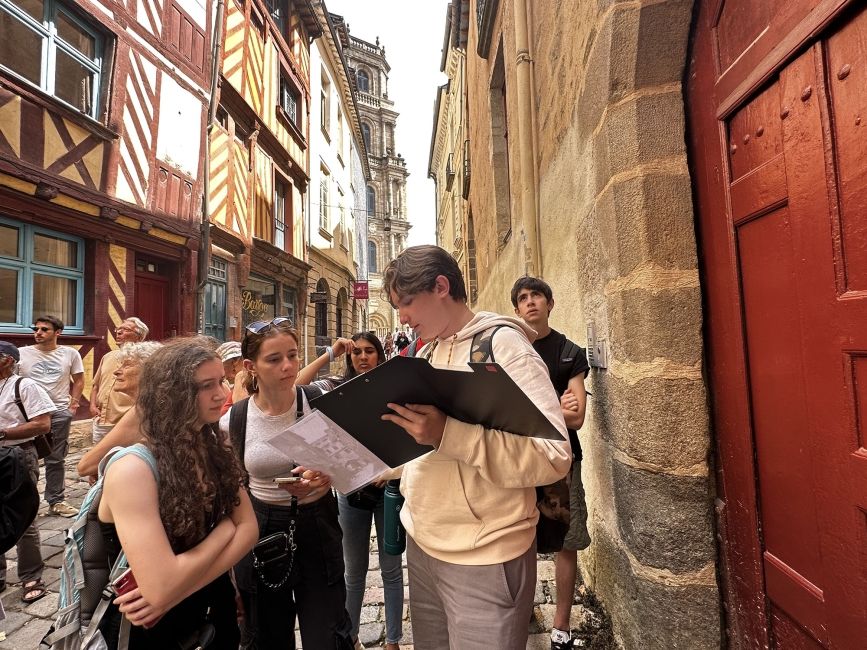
<point x="152" y="305"/>
<point x="776" y="98"/>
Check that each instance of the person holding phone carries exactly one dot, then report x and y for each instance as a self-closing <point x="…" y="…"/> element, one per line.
<point x="183" y="529"/>
<point x="296" y="569"/>
<point x="364" y="352"/>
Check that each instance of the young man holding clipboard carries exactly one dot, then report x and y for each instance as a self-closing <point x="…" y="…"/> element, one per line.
<point x="470" y="511"/>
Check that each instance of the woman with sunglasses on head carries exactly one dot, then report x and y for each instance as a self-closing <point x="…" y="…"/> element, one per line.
<point x="296" y="569"/>
<point x="363" y="353"/>
<point x="183" y="525"/>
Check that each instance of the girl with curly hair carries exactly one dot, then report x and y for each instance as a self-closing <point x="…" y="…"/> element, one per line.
<point x="306" y="579"/>
<point x="185" y="528"/>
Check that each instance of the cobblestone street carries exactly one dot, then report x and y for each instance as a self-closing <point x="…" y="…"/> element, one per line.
<point x="26" y="624"/>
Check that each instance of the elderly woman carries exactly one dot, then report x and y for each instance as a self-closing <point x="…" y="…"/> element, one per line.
<point x="126" y="432"/>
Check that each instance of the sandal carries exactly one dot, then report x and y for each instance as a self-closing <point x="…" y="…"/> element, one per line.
<point x="36" y="587"/>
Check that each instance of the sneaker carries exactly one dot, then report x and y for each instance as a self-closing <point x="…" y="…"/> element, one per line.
<point x="561" y="640"/>
<point x="62" y="509"/>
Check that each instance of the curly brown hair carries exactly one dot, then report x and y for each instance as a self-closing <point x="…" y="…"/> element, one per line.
<point x="198" y="474"/>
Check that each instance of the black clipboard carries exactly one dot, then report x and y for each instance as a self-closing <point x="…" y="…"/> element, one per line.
<point x="484" y="395"/>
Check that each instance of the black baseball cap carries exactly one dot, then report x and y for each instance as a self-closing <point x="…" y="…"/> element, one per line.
<point x="9" y="349"/>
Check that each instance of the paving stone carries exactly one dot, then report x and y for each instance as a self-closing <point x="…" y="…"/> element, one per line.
<point x="13" y="621"/>
<point x="369" y="614"/>
<point x="371" y="633"/>
<point x="44" y="607"/>
<point x="27" y="636"/>
<point x="545" y="570"/>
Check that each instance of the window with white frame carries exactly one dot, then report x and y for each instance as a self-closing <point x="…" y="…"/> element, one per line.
<point x="323" y="201"/>
<point x="41" y="272"/>
<point x="341" y="211"/>
<point x="52" y="46"/>
<point x="325" y="107"/>
<point x="280" y="214"/>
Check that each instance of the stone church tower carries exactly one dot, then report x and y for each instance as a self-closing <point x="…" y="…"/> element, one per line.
<point x="386" y="190"/>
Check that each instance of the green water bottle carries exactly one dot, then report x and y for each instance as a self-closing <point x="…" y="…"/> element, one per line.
<point x="393" y="534"/>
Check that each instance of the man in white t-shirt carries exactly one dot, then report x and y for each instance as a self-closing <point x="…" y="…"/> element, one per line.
<point x="59" y="371"/>
<point x="19" y="424"/>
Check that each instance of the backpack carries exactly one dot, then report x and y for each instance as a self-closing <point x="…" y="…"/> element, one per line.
<point x="85" y="575"/>
<point x="238" y="422"/>
<point x="552" y="500"/>
<point x="19" y="498"/>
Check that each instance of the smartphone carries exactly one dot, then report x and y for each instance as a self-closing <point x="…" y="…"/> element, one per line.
<point x="124" y="583"/>
<point x="287" y="479"/>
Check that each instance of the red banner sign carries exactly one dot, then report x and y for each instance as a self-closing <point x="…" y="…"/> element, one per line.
<point x="360" y="290"/>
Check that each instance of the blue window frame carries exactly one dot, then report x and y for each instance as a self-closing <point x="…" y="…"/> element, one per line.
<point x="50" y="45"/>
<point x="41" y="272"/>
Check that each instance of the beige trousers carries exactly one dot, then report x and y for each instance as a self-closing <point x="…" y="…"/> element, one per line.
<point x="464" y="607"/>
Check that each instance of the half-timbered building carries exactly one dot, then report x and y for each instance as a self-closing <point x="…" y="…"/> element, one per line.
<point x="102" y="116"/>
<point x="259" y="162"/>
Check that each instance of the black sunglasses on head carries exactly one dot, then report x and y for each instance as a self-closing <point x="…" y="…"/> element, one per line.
<point x="261" y="326"/>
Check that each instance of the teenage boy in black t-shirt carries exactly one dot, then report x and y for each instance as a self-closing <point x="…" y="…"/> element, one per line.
<point x="567" y="366"/>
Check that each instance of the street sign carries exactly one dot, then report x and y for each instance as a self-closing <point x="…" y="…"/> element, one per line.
<point x="360" y="290"/>
<point x="319" y="296"/>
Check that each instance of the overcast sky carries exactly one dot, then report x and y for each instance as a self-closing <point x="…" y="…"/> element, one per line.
<point x="412" y="33"/>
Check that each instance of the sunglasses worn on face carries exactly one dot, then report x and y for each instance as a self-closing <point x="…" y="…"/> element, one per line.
<point x="262" y="326"/>
<point x="40" y="329"/>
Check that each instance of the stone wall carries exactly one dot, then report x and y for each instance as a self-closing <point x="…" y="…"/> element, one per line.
<point x="618" y="247"/>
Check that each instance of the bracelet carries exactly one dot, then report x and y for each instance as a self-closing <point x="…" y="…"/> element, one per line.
<point x="330" y="352"/>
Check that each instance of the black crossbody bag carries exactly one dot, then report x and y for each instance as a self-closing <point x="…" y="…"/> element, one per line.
<point x="274" y="554"/>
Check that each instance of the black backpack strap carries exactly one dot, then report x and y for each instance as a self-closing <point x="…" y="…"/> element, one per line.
<point x="482" y="347"/>
<point x="238" y="432"/>
<point x="311" y="391"/>
<point x="18" y="401"/>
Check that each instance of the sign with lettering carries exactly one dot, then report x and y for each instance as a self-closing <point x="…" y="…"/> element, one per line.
<point x="257" y="300"/>
<point x="360" y="290"/>
<point x="319" y="296"/>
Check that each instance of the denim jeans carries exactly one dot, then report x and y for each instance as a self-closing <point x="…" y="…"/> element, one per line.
<point x="30" y="564"/>
<point x="55" y="470"/>
<point x="355" y="523"/>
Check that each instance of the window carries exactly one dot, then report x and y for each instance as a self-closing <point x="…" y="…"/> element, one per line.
<point x="365" y="135"/>
<point x="500" y="149"/>
<point x="395" y="198"/>
<point x="323" y="201"/>
<point x="258" y="300"/>
<point x="290" y="304"/>
<point x="290" y="98"/>
<point x="321" y="323"/>
<point x="215" y="299"/>
<point x="371" y="257"/>
<point x="325" y="108"/>
<point x="277" y="10"/>
<point x="49" y="45"/>
<point x="340" y="134"/>
<point x="371" y="201"/>
<point x="280" y="214"/>
<point x="341" y="211"/>
<point x="363" y="81"/>
<point x="41" y="271"/>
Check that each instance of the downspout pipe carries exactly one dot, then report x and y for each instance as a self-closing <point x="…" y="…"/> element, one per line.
<point x="213" y="102"/>
<point x="526" y="138"/>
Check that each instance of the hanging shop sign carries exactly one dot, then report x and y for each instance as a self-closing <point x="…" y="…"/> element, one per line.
<point x="360" y="290"/>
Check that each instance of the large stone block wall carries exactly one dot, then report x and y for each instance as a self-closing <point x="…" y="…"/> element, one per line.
<point x="618" y="247"/>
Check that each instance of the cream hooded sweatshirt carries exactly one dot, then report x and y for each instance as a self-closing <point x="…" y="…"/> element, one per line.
<point x="473" y="499"/>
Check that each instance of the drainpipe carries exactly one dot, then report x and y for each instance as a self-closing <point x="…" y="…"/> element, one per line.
<point x="213" y="102"/>
<point x="527" y="141"/>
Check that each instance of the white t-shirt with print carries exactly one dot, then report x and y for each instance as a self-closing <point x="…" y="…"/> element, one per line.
<point x="33" y="398"/>
<point x="51" y="370"/>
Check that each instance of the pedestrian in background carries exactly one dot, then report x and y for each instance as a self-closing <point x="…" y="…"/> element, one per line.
<point x="19" y="424"/>
<point x="562" y="505"/>
<point x="470" y="511"/>
<point x="60" y="372"/>
<point x="107" y="406"/>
